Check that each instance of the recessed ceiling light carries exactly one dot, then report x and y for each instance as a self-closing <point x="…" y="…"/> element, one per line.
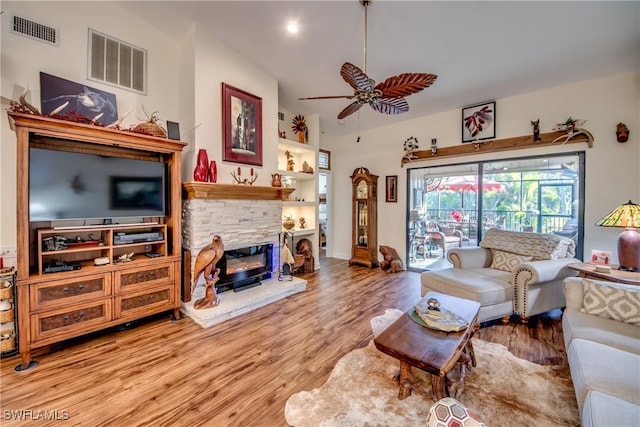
<point x="292" y="27"/>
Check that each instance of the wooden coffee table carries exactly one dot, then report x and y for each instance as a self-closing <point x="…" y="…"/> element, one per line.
<point x="433" y="351"/>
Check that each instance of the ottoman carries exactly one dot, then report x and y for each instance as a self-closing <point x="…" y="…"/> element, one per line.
<point x="490" y="287"/>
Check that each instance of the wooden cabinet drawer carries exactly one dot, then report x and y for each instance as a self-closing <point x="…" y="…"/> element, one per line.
<point x="69" y="291"/>
<point x="150" y="301"/>
<point x="78" y="320"/>
<point x="131" y="280"/>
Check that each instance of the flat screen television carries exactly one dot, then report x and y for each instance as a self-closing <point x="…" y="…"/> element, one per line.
<point x="67" y="185"/>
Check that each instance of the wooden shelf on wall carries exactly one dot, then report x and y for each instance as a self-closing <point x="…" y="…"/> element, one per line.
<point x="207" y="190"/>
<point x="506" y="144"/>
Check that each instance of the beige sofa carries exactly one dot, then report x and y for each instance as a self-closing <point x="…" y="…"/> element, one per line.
<point x="601" y="328"/>
<point x="510" y="272"/>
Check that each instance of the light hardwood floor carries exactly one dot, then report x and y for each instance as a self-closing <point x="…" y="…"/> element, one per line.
<point x="238" y="373"/>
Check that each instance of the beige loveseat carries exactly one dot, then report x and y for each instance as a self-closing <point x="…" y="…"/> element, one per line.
<point x="601" y="328"/>
<point x="510" y="272"/>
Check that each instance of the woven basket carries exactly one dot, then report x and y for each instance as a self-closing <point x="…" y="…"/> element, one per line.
<point x="7" y="316"/>
<point x="6" y="292"/>
<point x="7" y="344"/>
<point x="150" y="128"/>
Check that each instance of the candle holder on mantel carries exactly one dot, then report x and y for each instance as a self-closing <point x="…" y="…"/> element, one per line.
<point x="244" y="181"/>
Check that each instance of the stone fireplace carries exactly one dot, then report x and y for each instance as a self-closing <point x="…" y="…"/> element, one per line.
<point x="243" y="216"/>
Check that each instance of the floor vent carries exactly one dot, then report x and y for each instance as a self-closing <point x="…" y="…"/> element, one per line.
<point x="34" y="30"/>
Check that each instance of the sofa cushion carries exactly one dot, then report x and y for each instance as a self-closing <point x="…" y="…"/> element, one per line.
<point x="595" y="366"/>
<point x="611" y="302"/>
<point x="601" y="409"/>
<point x="539" y="246"/>
<point x="506" y="261"/>
<point x="468" y="284"/>
<point x="612" y="333"/>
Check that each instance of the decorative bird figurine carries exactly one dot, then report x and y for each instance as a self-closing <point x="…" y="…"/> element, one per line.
<point x="206" y="263"/>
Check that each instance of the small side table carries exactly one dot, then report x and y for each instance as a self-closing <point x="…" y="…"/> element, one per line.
<point x="589" y="271"/>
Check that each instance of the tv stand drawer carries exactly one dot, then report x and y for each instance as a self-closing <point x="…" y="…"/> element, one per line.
<point x="143" y="277"/>
<point x="71" y="321"/>
<point x="69" y="291"/>
<point x="140" y="304"/>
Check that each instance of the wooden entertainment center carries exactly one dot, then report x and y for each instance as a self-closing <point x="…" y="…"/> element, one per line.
<point x="84" y="297"/>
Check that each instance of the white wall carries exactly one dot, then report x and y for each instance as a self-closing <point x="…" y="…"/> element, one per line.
<point x="612" y="173"/>
<point x="216" y="63"/>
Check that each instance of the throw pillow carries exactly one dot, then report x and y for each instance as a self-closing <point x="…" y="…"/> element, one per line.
<point x="505" y="261"/>
<point x="611" y="302"/>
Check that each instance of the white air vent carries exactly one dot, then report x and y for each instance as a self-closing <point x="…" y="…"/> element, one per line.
<point x="34" y="30"/>
<point x="116" y="62"/>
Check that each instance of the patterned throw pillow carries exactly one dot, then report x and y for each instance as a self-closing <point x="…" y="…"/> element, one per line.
<point x="539" y="246"/>
<point x="611" y="302"/>
<point x="505" y="261"/>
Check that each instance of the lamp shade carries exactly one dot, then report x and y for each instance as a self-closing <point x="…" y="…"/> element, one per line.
<point x="626" y="216"/>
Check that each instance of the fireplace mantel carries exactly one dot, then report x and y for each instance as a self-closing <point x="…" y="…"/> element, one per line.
<point x="207" y="190"/>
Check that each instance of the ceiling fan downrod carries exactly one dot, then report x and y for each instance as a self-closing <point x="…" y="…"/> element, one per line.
<point x="365" y="3"/>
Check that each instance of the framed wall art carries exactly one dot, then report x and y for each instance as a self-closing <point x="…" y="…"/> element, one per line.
<point x="241" y="126"/>
<point x="391" y="189"/>
<point x="479" y="122"/>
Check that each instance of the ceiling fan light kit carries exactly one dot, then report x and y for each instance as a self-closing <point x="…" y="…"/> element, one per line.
<point x="386" y="97"/>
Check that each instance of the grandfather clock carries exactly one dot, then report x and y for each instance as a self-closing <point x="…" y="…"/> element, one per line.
<point x="364" y="237"/>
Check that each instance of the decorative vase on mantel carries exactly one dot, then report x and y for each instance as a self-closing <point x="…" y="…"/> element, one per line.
<point x="213" y="171"/>
<point x="201" y="172"/>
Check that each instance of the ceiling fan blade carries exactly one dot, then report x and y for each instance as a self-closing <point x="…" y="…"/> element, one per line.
<point x="405" y="84"/>
<point x="390" y="105"/>
<point x="327" y="97"/>
<point x="355" y="77"/>
<point x="350" y="109"/>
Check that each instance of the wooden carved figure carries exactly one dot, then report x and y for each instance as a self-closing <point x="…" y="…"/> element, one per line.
<point x="536" y="129"/>
<point x="205" y="264"/>
<point x="391" y="262"/>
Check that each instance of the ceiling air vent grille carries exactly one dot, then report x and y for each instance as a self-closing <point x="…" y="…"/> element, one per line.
<point x="34" y="30"/>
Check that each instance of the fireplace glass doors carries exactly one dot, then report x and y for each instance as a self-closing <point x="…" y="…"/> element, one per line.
<point x="244" y="267"/>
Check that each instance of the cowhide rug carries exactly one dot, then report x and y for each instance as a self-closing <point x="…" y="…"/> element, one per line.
<point x="503" y="390"/>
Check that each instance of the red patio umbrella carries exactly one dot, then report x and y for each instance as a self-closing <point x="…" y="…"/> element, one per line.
<point x="469" y="183"/>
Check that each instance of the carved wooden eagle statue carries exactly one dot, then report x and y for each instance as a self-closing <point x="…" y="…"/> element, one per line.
<point x="206" y="264"/>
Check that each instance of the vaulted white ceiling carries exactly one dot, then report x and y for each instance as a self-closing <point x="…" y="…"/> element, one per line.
<point x="480" y="50"/>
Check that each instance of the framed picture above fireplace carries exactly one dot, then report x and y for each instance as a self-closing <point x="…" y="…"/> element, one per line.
<point x="242" y="126"/>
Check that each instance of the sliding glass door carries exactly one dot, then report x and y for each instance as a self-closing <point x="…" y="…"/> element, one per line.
<point x="452" y="206"/>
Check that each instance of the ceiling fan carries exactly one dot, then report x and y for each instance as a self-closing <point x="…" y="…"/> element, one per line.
<point x="386" y="97"/>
